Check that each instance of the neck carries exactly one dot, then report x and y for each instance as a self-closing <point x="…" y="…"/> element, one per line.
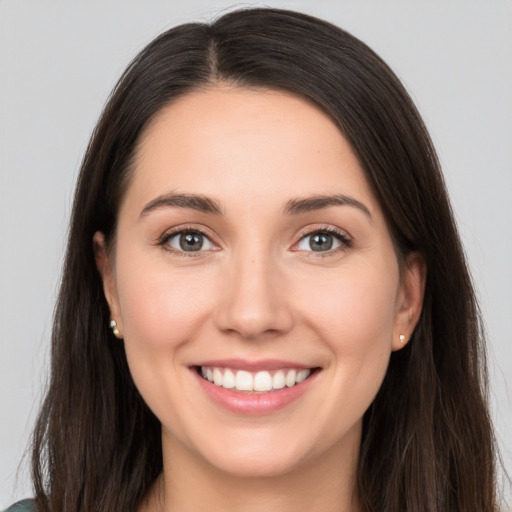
<point x="326" y="482"/>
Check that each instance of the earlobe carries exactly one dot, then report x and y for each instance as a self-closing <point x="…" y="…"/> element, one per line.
<point x="106" y="271"/>
<point x="411" y="299"/>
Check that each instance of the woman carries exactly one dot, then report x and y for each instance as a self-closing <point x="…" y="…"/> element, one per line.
<point x="265" y="304"/>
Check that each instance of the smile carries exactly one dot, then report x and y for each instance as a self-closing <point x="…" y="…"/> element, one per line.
<point x="254" y="388"/>
<point x="261" y="381"/>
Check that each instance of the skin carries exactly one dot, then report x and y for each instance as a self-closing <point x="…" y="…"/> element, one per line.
<point x="256" y="291"/>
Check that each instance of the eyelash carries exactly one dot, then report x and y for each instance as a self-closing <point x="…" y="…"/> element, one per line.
<point x="340" y="236"/>
<point x="166" y="237"/>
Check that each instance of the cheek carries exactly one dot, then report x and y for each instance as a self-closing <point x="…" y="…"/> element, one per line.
<point x="160" y="307"/>
<point x="161" y="311"/>
<point x="355" y="312"/>
<point x="354" y="318"/>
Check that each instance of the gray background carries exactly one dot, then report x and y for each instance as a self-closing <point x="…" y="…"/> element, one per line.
<point x="58" y="62"/>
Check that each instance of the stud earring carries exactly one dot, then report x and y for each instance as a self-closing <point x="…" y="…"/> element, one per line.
<point x="113" y="326"/>
<point x="402" y="338"/>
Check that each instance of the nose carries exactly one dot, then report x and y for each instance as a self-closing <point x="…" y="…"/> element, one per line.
<point x="253" y="302"/>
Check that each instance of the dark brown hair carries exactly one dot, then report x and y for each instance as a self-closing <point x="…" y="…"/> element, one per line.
<point x="427" y="439"/>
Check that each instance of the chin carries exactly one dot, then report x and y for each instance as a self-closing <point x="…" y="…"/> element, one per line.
<point x="264" y="454"/>
<point x="262" y="465"/>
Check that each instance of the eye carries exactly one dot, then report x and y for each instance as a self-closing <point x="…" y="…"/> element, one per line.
<point x="189" y="241"/>
<point x="324" y="240"/>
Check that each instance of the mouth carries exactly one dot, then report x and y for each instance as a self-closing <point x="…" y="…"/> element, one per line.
<point x="254" y="382"/>
<point x="254" y="388"/>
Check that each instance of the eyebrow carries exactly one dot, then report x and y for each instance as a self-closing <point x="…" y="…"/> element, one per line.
<point x="319" y="202"/>
<point x="295" y="206"/>
<point x="191" y="201"/>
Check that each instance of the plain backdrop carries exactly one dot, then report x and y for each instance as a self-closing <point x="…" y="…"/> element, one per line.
<point x="58" y="62"/>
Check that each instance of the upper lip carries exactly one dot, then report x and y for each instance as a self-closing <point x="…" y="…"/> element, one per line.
<point x="262" y="364"/>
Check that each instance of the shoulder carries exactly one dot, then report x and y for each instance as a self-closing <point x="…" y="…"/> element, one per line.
<point x="22" y="506"/>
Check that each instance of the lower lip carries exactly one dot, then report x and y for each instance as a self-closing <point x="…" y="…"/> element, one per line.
<point x="257" y="404"/>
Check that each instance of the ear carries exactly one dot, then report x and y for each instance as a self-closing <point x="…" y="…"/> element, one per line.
<point x="106" y="270"/>
<point x="410" y="299"/>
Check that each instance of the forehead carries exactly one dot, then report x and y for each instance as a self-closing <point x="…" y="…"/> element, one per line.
<point x="245" y="145"/>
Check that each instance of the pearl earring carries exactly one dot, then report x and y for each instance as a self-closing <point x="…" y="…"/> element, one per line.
<point x="402" y="338"/>
<point x="113" y="326"/>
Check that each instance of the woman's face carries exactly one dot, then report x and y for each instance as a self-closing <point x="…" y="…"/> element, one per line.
<point x="250" y="249"/>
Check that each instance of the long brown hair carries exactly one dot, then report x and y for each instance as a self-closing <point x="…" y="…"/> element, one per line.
<point x="427" y="438"/>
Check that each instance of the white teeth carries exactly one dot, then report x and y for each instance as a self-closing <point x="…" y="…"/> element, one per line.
<point x="261" y="381"/>
<point x="217" y="377"/>
<point x="302" y="375"/>
<point x="278" y="380"/>
<point x="229" y="379"/>
<point x="290" y="378"/>
<point x="243" y="381"/>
